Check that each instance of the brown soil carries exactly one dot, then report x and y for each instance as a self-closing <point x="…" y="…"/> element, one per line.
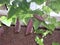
<point x="11" y="38"/>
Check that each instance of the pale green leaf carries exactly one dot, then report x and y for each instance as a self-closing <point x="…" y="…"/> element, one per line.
<point x="39" y="41"/>
<point x="6" y="21"/>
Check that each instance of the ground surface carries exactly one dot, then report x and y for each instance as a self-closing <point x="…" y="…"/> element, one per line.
<point x="10" y="38"/>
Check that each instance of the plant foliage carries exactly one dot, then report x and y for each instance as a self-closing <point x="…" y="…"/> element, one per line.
<point x="38" y="10"/>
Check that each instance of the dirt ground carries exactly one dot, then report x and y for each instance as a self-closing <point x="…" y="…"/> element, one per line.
<point x="11" y="38"/>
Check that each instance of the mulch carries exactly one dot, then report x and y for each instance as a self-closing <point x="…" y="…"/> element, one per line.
<point x="11" y="38"/>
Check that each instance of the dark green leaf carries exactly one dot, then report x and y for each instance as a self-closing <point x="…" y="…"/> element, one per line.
<point x="4" y="1"/>
<point x="12" y="11"/>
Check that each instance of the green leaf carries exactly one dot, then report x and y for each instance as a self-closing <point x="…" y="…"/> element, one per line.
<point x="13" y="20"/>
<point x="50" y="27"/>
<point x="39" y="12"/>
<point x="14" y="11"/>
<point x="51" y="20"/>
<point x="39" y="31"/>
<point x="36" y="24"/>
<point x="54" y="5"/>
<point x="4" y="1"/>
<point x="55" y="43"/>
<point x="52" y="23"/>
<point x="47" y="9"/>
<point x="45" y="33"/>
<point x="28" y="15"/>
<point x="11" y="12"/>
<point x="57" y="24"/>
<point x="44" y="24"/>
<point x="21" y="16"/>
<point x="25" y="18"/>
<point x="39" y="41"/>
<point x="6" y="21"/>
